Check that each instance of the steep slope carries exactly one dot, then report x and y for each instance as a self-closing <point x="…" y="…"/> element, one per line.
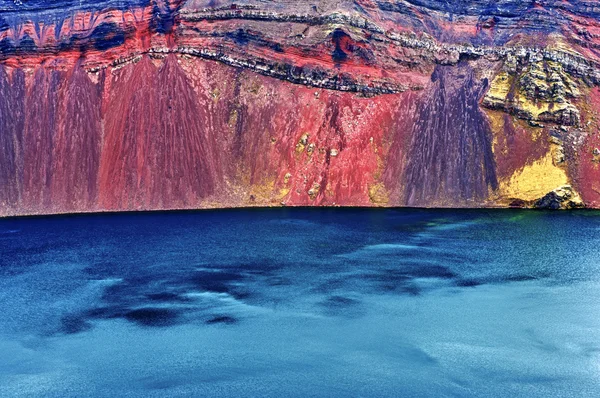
<point x="160" y="104"/>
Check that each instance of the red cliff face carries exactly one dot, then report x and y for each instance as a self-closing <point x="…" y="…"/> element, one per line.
<point x="152" y="104"/>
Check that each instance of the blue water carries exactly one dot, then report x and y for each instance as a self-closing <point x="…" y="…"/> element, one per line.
<point x="301" y="303"/>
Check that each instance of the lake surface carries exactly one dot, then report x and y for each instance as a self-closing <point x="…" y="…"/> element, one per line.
<point x="301" y="303"/>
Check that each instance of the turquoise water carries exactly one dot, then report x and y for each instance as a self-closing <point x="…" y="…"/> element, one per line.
<point x="297" y="302"/>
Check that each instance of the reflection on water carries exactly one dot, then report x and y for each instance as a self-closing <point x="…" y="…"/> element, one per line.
<point x="296" y="302"/>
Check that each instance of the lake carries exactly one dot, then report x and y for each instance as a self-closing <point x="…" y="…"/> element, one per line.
<point x="301" y="303"/>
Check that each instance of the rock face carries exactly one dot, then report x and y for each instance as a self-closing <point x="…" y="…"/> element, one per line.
<point x="542" y="92"/>
<point x="451" y="143"/>
<point x="161" y="104"/>
<point x="560" y="198"/>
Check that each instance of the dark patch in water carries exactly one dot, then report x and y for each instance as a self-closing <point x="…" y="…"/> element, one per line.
<point x="387" y="275"/>
<point x="340" y="302"/>
<point x="220" y="282"/>
<point x="217" y="281"/>
<point x="221" y="319"/>
<point x="149" y="316"/>
<point x="153" y="383"/>
<point x="468" y="283"/>
<point x="431" y="271"/>
<point x="520" y="278"/>
<point x="342" y="306"/>
<point x="154" y="317"/>
<point x="411" y="289"/>
<point x="71" y="324"/>
<point x="402" y="280"/>
<point x="166" y="297"/>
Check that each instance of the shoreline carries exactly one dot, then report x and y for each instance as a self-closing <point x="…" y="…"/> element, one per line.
<point x="267" y="208"/>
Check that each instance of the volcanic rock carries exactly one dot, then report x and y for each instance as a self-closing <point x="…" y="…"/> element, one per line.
<point x="561" y="198"/>
<point x="160" y="104"/>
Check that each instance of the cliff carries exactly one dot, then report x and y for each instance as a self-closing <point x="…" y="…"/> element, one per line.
<point x="163" y="104"/>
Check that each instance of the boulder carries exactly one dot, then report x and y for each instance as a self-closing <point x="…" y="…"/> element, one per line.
<point x="561" y="198"/>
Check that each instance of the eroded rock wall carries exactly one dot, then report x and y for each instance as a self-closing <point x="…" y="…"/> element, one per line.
<point x="158" y="104"/>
